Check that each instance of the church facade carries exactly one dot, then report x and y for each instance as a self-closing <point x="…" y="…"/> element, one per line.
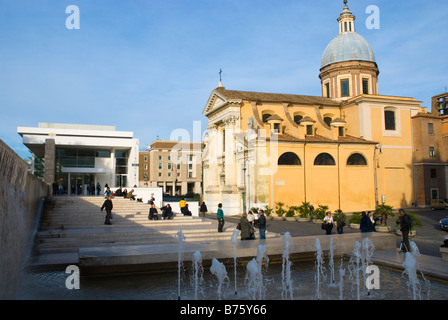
<point x="349" y="149"/>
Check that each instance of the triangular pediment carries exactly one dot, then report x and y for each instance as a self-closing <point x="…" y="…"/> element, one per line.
<point x="215" y="102"/>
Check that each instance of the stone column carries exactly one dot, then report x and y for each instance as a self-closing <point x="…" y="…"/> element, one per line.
<point x="230" y="159"/>
<point x="213" y="184"/>
<point x="50" y="160"/>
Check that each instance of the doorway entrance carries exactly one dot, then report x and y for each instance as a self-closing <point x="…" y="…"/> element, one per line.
<point x="80" y="183"/>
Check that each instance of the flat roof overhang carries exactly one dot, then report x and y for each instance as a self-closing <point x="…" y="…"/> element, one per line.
<point x="82" y="170"/>
<point x="36" y="143"/>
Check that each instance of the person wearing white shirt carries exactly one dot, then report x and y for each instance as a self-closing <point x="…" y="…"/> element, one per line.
<point x="328" y="221"/>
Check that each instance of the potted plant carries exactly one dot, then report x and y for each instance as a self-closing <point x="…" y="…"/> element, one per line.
<point x="268" y="212"/>
<point x="384" y="211"/>
<point x="279" y="210"/>
<point x="304" y="212"/>
<point x="319" y="214"/>
<point x="415" y="221"/>
<point x="355" y="220"/>
<point x="290" y="214"/>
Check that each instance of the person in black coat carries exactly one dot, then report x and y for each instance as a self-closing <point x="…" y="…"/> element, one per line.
<point x="405" y="222"/>
<point x="108" y="205"/>
<point x="203" y="209"/>
<point x="262" y="225"/>
<point x="366" y="224"/>
<point x="153" y="214"/>
<point x="167" y="212"/>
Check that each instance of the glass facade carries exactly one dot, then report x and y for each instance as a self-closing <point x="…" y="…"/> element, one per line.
<point x="121" y="167"/>
<point x="85" y="158"/>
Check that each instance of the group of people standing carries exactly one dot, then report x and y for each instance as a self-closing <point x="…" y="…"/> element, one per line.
<point x="329" y="222"/>
<point x="247" y="224"/>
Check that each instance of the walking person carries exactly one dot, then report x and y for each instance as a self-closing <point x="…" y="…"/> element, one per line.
<point x="405" y="226"/>
<point x="108" y="205"/>
<point x="262" y="224"/>
<point x="220" y="216"/>
<point x="203" y="209"/>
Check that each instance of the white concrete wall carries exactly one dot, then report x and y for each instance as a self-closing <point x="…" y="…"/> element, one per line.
<point x="144" y="193"/>
<point x="192" y="206"/>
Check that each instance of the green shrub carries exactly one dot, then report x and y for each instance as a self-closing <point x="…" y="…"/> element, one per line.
<point x="291" y="212"/>
<point x="267" y="211"/>
<point x="304" y="210"/>
<point x="355" y="218"/>
<point x="384" y="211"/>
<point x="279" y="210"/>
<point x="319" y="213"/>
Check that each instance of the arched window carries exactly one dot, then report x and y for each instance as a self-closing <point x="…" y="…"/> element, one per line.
<point x="356" y="159"/>
<point x="289" y="159"/>
<point x="266" y="116"/>
<point x="297" y="118"/>
<point x="324" y="159"/>
<point x="328" y="120"/>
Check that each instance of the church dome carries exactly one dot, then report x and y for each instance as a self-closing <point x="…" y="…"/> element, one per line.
<point x="347" y="46"/>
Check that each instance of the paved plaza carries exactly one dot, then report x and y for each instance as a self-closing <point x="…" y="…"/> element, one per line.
<point x="73" y="232"/>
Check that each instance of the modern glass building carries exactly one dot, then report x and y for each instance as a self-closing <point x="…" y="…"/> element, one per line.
<point x="78" y="156"/>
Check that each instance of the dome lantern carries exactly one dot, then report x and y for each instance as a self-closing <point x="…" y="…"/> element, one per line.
<point x="348" y="65"/>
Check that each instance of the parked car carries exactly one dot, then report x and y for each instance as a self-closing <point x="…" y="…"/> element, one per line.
<point x="444" y="224"/>
<point x="438" y="204"/>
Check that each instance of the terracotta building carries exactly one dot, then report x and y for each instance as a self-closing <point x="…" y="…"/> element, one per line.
<point x="349" y="149"/>
<point x="430" y="132"/>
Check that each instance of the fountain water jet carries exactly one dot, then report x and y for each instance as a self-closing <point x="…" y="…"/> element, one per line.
<point x="180" y="239"/>
<point x="341" y="282"/>
<point x="331" y="263"/>
<point x="234" y="240"/>
<point x="411" y="269"/>
<point x="286" y="268"/>
<point x="198" y="271"/>
<point x="320" y="270"/>
<point x="254" y="280"/>
<point x="219" y="270"/>
<point x="254" y="276"/>
<point x="368" y="249"/>
<point x="354" y="267"/>
<point x="261" y="254"/>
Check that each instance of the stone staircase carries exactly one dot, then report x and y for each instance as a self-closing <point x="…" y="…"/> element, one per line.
<point x="71" y="223"/>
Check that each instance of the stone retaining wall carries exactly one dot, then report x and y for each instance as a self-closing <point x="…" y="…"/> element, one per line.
<point x="20" y="194"/>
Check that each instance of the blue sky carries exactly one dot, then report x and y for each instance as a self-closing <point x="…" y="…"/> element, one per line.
<point x="149" y="66"/>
